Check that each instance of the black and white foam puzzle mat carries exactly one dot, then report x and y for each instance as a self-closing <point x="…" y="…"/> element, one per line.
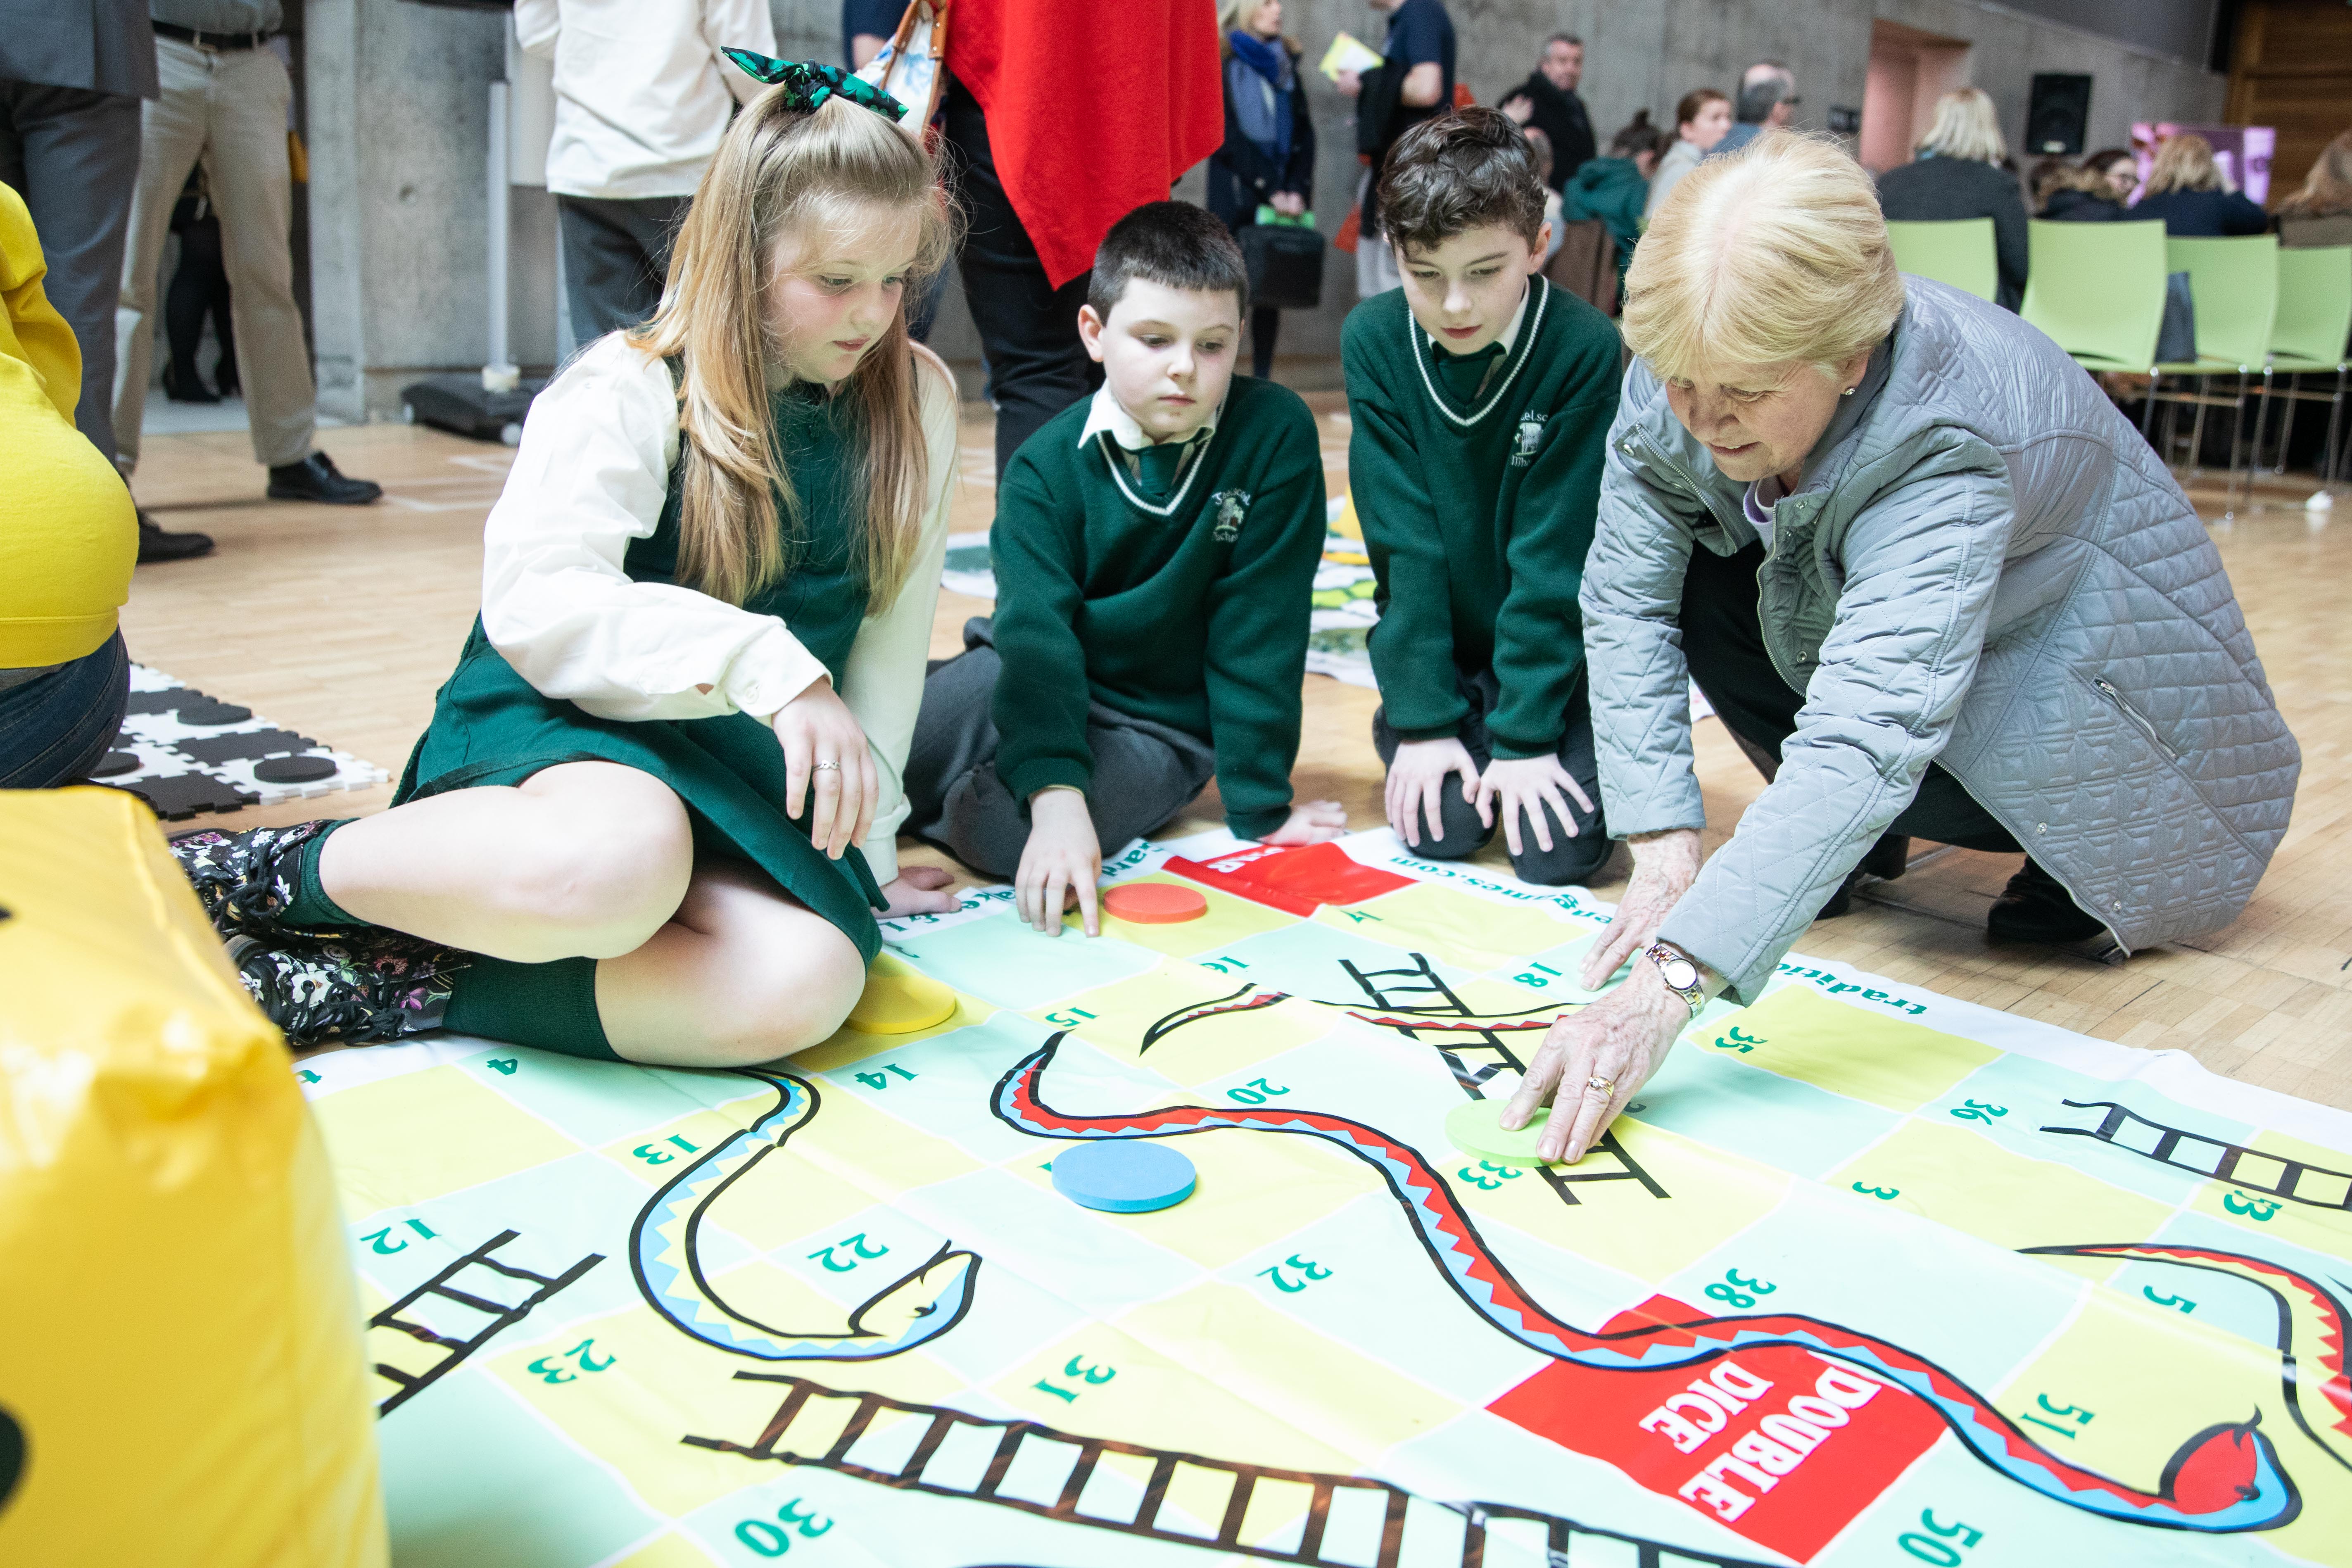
<point x="184" y="751"/>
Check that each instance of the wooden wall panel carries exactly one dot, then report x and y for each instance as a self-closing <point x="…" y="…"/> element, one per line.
<point x="2292" y="68"/>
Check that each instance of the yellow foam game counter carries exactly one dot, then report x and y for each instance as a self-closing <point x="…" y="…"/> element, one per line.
<point x="181" y="1380"/>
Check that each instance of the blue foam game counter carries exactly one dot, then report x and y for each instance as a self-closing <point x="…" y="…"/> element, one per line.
<point x="1122" y="1176"/>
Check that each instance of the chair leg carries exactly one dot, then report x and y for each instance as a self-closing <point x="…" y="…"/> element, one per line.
<point x="2196" y="430"/>
<point x="2148" y="412"/>
<point x="2237" y="430"/>
<point x="2261" y="415"/>
<point x="2330" y="458"/>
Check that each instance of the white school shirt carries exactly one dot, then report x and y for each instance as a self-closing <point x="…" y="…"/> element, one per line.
<point x="642" y="94"/>
<point x="592" y="474"/>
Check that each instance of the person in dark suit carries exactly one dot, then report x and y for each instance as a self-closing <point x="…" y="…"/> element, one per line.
<point x="1268" y="156"/>
<point x="1547" y="101"/>
<point x="2195" y="200"/>
<point x="70" y="86"/>
<point x="1956" y="176"/>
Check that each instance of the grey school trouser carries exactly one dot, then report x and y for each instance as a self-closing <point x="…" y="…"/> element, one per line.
<point x="1144" y="772"/>
<point x="228" y="108"/>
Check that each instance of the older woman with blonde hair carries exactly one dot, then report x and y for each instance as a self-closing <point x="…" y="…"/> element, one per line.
<point x="2188" y="190"/>
<point x="1911" y="551"/>
<point x="1956" y="176"/>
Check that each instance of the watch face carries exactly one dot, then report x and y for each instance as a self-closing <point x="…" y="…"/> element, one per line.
<point x="1681" y="974"/>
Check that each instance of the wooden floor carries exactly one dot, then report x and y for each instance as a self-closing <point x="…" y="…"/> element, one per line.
<point x="341" y="623"/>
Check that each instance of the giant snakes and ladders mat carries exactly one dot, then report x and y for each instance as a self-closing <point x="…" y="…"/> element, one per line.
<point x="1867" y="1276"/>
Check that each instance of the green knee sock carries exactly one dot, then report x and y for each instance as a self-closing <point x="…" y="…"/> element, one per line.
<point x="311" y="905"/>
<point x="550" y="1006"/>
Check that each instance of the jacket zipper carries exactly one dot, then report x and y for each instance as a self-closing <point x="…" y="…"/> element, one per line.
<point x="2108" y="690"/>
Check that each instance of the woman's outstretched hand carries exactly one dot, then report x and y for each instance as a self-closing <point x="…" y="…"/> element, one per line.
<point x="1665" y="865"/>
<point x="1595" y="1061"/>
<point x="829" y="769"/>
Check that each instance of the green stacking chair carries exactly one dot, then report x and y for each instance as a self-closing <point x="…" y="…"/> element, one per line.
<point x="2097" y="290"/>
<point x="1958" y="253"/>
<point x="2310" y="337"/>
<point x="2235" y="285"/>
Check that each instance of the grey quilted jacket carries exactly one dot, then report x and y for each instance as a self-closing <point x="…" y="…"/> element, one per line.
<point x="1986" y="566"/>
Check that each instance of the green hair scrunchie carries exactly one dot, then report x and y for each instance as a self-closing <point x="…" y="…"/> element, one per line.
<point x="808" y="84"/>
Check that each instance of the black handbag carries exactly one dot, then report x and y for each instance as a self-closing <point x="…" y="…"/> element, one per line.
<point x="2176" y="340"/>
<point x="1285" y="266"/>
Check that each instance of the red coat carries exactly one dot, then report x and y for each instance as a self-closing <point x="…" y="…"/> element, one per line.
<point x="1088" y="117"/>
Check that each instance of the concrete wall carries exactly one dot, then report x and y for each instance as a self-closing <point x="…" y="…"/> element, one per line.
<point x="399" y="115"/>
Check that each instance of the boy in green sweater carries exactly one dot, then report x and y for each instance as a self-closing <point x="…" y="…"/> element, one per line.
<point x="1155" y="551"/>
<point x="1482" y="398"/>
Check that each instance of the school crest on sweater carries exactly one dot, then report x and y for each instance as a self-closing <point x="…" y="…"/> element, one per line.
<point x="1527" y="438"/>
<point x="1229" y="508"/>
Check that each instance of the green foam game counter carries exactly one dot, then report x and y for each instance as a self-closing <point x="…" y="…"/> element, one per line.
<point x="1123" y="1177"/>
<point x="1473" y="1127"/>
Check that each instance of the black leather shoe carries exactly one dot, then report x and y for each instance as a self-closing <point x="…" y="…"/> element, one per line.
<point x="159" y="544"/>
<point x="2036" y="908"/>
<point x="316" y="478"/>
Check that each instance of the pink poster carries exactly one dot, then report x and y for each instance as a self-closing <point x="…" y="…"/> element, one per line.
<point x="2243" y="152"/>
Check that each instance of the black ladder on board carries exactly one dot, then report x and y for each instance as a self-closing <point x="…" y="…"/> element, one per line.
<point x="1346" y="1522"/>
<point x="409" y="1383"/>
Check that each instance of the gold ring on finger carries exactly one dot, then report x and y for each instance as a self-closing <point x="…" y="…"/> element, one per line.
<point x="1604" y="1087"/>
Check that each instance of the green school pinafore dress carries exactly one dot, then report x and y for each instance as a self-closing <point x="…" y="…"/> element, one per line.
<point x="491" y="726"/>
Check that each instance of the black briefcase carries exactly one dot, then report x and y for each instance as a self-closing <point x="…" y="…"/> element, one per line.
<point x="1285" y="266"/>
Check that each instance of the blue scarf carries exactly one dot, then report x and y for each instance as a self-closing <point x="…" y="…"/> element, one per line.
<point x="1271" y="61"/>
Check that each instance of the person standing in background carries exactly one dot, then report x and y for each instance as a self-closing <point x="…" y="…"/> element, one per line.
<point x="69" y="94"/>
<point x="1957" y="175"/>
<point x="1268" y="156"/>
<point x="1547" y="101"/>
<point x="1701" y="120"/>
<point x="1768" y="102"/>
<point x="1416" y="82"/>
<point x="223" y="100"/>
<point x="641" y="96"/>
<point x="1058" y="126"/>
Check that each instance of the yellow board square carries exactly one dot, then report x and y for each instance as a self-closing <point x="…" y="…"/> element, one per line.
<point x="1865" y="1056"/>
<point x="400" y="1141"/>
<point x="1455" y="927"/>
<point x="1115" y="1020"/>
<point x="1212" y="1371"/>
<point x="875" y="1152"/>
<point x="785" y="1197"/>
<point x="1958" y="1178"/>
<point x="2124" y="1385"/>
<point x="669" y="1552"/>
<point x="1713" y="1195"/>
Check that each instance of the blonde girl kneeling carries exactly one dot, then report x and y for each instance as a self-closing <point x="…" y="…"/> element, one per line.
<point x="654" y="814"/>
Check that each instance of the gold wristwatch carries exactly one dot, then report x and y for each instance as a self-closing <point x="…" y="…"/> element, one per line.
<point x="1681" y="976"/>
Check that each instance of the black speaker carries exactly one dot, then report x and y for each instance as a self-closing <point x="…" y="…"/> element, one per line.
<point x="2055" y="119"/>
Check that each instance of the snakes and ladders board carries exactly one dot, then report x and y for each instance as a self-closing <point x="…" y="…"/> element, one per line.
<point x="1868" y="1276"/>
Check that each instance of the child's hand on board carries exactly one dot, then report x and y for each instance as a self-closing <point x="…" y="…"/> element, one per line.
<point x="1063" y="857"/>
<point x="1311" y="822"/>
<point x="1420" y="770"/>
<point x="921" y="890"/>
<point x="828" y="770"/>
